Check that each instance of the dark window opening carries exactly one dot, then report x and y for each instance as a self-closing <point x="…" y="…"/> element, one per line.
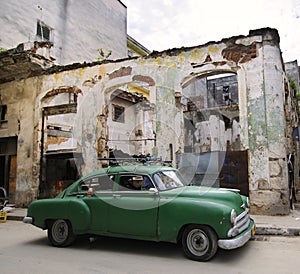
<point x="118" y="114"/>
<point x="226" y="95"/>
<point x="72" y="98"/>
<point x="222" y="90"/>
<point x="227" y="122"/>
<point x="43" y="31"/>
<point x="3" y="110"/>
<point x="171" y="151"/>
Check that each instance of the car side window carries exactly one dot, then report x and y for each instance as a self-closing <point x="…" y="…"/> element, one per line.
<point x="98" y="183"/>
<point x="134" y="182"/>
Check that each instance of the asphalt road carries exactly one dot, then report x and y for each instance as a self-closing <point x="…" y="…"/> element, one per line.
<point x="25" y="249"/>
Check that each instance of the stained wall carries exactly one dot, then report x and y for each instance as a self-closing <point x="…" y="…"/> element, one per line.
<point x="262" y="83"/>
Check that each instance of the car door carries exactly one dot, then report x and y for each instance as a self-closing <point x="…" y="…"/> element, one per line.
<point x="133" y="211"/>
<point x="99" y="201"/>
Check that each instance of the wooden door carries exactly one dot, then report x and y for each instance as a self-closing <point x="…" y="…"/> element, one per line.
<point x="12" y="178"/>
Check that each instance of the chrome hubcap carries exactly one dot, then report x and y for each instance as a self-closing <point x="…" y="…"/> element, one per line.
<point x="197" y="242"/>
<point x="60" y="231"/>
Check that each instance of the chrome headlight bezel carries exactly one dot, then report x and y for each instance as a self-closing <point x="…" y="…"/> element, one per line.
<point x="233" y="216"/>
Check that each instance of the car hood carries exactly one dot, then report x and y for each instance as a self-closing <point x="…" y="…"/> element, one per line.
<point x="216" y="195"/>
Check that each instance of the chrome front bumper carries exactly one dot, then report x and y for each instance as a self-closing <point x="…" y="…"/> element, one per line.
<point x="27" y="220"/>
<point x="239" y="240"/>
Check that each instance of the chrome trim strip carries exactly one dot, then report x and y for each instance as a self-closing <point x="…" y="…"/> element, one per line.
<point x="242" y="215"/>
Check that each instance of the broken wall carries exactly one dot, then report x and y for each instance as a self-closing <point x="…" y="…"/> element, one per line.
<point x="19" y="98"/>
<point x="257" y="62"/>
<point x="255" y="59"/>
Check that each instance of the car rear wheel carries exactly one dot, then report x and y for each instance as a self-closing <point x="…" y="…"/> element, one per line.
<point x="199" y="242"/>
<point x="60" y="233"/>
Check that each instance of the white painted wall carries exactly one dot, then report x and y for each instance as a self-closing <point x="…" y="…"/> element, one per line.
<point x="79" y="27"/>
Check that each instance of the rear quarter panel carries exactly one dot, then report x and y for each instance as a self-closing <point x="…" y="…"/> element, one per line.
<point x="72" y="209"/>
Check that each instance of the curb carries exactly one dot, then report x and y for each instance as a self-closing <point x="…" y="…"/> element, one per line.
<point x="277" y="231"/>
<point x="14" y="218"/>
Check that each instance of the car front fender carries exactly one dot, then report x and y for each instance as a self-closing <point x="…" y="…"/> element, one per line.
<point x="175" y="215"/>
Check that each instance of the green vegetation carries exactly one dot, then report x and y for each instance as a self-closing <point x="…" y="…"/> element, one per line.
<point x="103" y="56"/>
<point x="295" y="88"/>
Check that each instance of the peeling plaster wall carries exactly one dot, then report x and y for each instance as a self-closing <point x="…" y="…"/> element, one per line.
<point x="19" y="98"/>
<point x="266" y="132"/>
<point x="256" y="59"/>
<point x="119" y="133"/>
<point x="79" y="29"/>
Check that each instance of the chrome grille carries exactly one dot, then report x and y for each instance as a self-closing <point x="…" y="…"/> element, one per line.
<point x="241" y="223"/>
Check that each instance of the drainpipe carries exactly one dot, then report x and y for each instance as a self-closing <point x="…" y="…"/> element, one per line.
<point x="42" y="149"/>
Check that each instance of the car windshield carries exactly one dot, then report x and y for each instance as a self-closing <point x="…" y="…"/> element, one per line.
<point x="168" y="179"/>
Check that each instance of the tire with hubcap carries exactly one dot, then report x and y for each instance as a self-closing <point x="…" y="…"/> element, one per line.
<point x="60" y="233"/>
<point x="199" y="242"/>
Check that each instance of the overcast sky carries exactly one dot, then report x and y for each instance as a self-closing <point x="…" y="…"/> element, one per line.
<point x="164" y="24"/>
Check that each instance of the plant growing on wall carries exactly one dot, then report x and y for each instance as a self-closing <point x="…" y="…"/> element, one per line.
<point x="103" y="56"/>
<point x="295" y="88"/>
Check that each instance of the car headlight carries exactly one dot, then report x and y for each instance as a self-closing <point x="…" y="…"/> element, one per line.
<point x="247" y="202"/>
<point x="233" y="216"/>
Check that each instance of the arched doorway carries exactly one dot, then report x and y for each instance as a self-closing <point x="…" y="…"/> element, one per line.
<point x="212" y="132"/>
<point x="59" y="158"/>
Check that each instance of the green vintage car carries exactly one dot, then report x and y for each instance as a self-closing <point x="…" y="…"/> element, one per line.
<point x="149" y="203"/>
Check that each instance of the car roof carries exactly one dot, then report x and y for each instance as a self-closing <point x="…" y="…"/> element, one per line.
<point x="145" y="169"/>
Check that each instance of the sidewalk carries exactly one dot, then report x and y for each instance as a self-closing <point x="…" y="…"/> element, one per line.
<point x="288" y="225"/>
<point x="265" y="225"/>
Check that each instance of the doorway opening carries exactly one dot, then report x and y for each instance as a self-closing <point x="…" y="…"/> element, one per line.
<point x="8" y="166"/>
<point x="212" y="132"/>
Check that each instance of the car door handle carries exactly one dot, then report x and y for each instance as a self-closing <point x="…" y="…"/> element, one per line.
<point x="116" y="195"/>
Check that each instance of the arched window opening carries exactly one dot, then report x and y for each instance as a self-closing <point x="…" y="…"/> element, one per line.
<point x="211" y="113"/>
<point x="211" y="91"/>
<point x="130" y="121"/>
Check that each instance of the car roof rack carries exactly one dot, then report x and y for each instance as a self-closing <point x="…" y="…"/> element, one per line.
<point x="135" y="160"/>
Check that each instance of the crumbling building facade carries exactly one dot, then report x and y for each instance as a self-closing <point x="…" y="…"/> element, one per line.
<point x="230" y="95"/>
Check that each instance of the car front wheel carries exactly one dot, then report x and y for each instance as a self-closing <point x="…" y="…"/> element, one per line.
<point x="199" y="242"/>
<point x="60" y="233"/>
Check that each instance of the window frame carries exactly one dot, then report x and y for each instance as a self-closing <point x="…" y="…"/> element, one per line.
<point x="121" y="117"/>
<point x="125" y="189"/>
<point x="3" y="112"/>
<point x="41" y="27"/>
<point x="88" y="183"/>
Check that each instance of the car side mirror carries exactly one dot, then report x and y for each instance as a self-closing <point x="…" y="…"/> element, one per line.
<point x="153" y="190"/>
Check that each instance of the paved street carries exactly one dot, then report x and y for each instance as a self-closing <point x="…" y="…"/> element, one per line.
<point x="25" y="249"/>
